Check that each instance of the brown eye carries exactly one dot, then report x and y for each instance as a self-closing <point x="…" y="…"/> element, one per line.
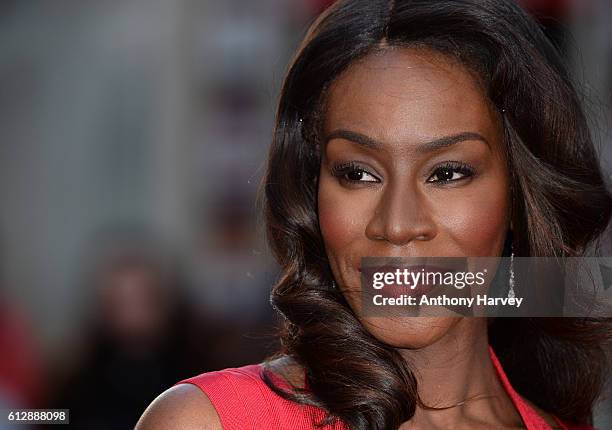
<point x="360" y="175"/>
<point x="353" y="173"/>
<point x="451" y="172"/>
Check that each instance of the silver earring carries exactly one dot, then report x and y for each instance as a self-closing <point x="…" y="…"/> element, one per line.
<point x="511" y="293"/>
<point x="333" y="285"/>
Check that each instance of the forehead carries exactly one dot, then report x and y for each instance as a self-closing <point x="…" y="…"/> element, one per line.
<point x="401" y="96"/>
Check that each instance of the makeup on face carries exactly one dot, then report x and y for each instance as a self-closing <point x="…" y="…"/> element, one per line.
<point x="413" y="165"/>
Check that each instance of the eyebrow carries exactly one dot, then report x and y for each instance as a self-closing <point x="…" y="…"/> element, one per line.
<point x="433" y="145"/>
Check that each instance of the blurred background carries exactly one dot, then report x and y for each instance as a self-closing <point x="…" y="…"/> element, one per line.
<point x="133" y="137"/>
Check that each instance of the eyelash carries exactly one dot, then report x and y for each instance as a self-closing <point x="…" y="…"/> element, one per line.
<point x="342" y="170"/>
<point x="454" y="166"/>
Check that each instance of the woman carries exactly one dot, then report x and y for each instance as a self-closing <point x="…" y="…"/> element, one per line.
<point x="417" y="128"/>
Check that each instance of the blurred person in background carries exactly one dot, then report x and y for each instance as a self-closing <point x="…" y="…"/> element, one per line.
<point x="143" y="336"/>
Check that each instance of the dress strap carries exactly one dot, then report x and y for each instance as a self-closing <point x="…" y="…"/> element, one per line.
<point x="530" y="417"/>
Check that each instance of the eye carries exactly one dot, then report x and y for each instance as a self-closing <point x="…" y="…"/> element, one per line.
<point x="451" y="171"/>
<point x="353" y="173"/>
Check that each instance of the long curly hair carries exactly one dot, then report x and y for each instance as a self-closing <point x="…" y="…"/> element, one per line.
<point x="560" y="207"/>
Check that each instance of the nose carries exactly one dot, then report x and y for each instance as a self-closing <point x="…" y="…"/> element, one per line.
<point x="402" y="215"/>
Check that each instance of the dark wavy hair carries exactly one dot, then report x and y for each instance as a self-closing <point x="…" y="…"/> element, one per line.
<point x="560" y="206"/>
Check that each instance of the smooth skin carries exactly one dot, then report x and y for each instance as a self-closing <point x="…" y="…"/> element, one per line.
<point x="404" y="205"/>
<point x="413" y="164"/>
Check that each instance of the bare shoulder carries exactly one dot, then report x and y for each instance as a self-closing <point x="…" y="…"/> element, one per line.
<point x="182" y="406"/>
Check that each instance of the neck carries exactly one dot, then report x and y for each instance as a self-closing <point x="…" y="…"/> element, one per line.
<point x="456" y="373"/>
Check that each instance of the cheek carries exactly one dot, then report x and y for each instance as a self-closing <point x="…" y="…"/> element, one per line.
<point x="478" y="221"/>
<point x="340" y="218"/>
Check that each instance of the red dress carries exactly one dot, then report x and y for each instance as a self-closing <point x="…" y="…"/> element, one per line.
<point x="243" y="401"/>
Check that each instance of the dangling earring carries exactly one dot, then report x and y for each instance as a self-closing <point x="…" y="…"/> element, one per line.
<point x="511" y="293"/>
<point x="333" y="285"/>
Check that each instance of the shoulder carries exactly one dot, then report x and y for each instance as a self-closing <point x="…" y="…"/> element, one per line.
<point x="228" y="398"/>
<point x="201" y="401"/>
<point x="182" y="406"/>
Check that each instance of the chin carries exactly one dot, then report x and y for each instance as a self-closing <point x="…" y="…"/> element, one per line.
<point x="409" y="332"/>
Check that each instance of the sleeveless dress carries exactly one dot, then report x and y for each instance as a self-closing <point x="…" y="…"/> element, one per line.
<point x="244" y="402"/>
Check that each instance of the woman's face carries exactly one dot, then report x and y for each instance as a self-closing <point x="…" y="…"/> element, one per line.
<point x="413" y="165"/>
